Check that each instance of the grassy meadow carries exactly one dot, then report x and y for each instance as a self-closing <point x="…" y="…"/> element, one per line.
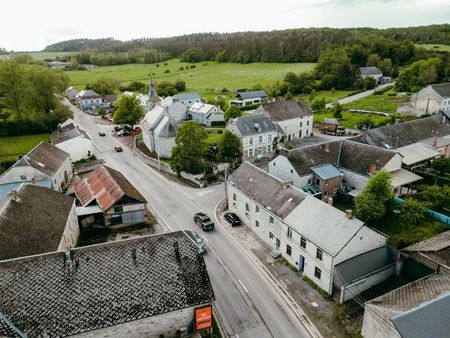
<point x="386" y="102"/>
<point x="439" y="47"/>
<point x="12" y="146"/>
<point x="41" y="55"/>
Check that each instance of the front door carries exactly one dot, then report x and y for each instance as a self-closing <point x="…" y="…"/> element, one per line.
<point x="301" y="263"/>
<point x="277" y="243"/>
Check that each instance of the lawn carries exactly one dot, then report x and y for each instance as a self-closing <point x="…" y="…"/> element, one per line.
<point x="329" y="95"/>
<point x="42" y="55"/>
<point x="213" y="138"/>
<point x="11" y="147"/>
<point x="386" y="102"/>
<point x="206" y="78"/>
<point x="350" y="120"/>
<point x="435" y="46"/>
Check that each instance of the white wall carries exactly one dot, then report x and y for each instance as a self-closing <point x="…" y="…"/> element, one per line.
<point x="71" y="232"/>
<point x="427" y="97"/>
<point x="14" y="174"/>
<point x="58" y="178"/>
<point x="282" y="168"/>
<point x="354" y="179"/>
<point x="298" y="127"/>
<point x="394" y="164"/>
<point x="164" y="146"/>
<point x="256" y="144"/>
<point x="77" y="147"/>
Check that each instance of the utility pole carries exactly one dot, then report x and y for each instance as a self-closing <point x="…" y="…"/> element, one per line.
<point x="226" y="190"/>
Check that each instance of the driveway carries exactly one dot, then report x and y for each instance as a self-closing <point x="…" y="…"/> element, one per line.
<point x="360" y="95"/>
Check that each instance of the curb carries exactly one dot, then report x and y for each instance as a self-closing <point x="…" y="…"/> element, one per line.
<point x="298" y="311"/>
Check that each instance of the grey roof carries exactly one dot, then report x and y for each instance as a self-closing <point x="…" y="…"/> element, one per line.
<point x="433" y="244"/>
<point x="34" y="222"/>
<point x="402" y="134"/>
<point x="247" y="125"/>
<point x="443" y="89"/>
<point x="88" y="94"/>
<point x="93" y="287"/>
<point x="285" y="110"/>
<point x="67" y="132"/>
<point x="326" y="171"/>
<point x="169" y="129"/>
<point x="428" y="320"/>
<point x="252" y="94"/>
<point x="6" y="330"/>
<point x="45" y="157"/>
<point x="361" y="265"/>
<point x="346" y="154"/>
<point x="6" y="188"/>
<point x="267" y="190"/>
<point x="372" y="70"/>
<point x="187" y="96"/>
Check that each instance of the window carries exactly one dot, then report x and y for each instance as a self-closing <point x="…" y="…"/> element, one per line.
<point x="234" y="197"/>
<point x="288" y="250"/>
<point x="271" y="220"/>
<point x="289" y="232"/>
<point x="317" y="272"/>
<point x="257" y="224"/>
<point x="269" y="138"/>
<point x="269" y="148"/>
<point x="247" y="207"/>
<point x="250" y="141"/>
<point x="270" y="235"/>
<point x="319" y="254"/>
<point x="260" y="139"/>
<point x="292" y="171"/>
<point x="118" y="209"/>
<point x="301" y="124"/>
<point x="317" y="181"/>
<point x="250" y="152"/>
<point x="23" y="177"/>
<point x="307" y="123"/>
<point x="256" y="209"/>
<point x="303" y="242"/>
<point x="260" y="151"/>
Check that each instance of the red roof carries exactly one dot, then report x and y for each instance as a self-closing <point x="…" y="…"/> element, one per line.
<point x="105" y="185"/>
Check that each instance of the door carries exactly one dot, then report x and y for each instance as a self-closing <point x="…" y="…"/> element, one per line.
<point x="301" y="263"/>
<point x="277" y="243"/>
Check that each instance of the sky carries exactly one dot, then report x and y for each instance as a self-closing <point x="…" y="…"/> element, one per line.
<point x="31" y="25"/>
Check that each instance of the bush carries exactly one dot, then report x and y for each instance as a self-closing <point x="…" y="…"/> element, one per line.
<point x="180" y="85"/>
<point x="165" y="63"/>
<point x="167" y="71"/>
<point x="181" y="68"/>
<point x="192" y="66"/>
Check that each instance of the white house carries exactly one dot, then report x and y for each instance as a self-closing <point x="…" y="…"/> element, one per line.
<point x="294" y="118"/>
<point x="88" y="99"/>
<point x="333" y="249"/>
<point x="206" y="114"/>
<point x="372" y="72"/>
<point x="71" y="93"/>
<point x="257" y="134"/>
<point x="188" y="99"/>
<point x="35" y="220"/>
<point x="141" y="97"/>
<point x="249" y="98"/>
<point x="432" y="99"/>
<point x="73" y="140"/>
<point x="355" y="161"/>
<point x="43" y="161"/>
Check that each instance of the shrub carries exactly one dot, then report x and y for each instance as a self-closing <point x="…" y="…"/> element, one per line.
<point x="192" y="66"/>
<point x="167" y="71"/>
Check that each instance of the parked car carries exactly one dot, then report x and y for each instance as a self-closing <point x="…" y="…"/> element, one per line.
<point x="137" y="129"/>
<point x="198" y="241"/>
<point x="118" y="149"/>
<point x="232" y="218"/>
<point x="101" y="133"/>
<point x="203" y="221"/>
<point x="123" y="132"/>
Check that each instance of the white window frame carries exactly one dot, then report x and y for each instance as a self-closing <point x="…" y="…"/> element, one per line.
<point x="250" y="152"/>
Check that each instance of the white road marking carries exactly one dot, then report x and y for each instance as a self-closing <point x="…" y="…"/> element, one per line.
<point x="204" y="237"/>
<point x="203" y="193"/>
<point x="242" y="285"/>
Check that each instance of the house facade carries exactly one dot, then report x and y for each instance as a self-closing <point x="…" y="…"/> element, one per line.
<point x="294" y="118"/>
<point x="73" y="140"/>
<point x="312" y="235"/>
<point x="71" y="93"/>
<point x="372" y="72"/>
<point x="35" y="220"/>
<point x="88" y="100"/>
<point x="249" y="98"/>
<point x="257" y="134"/>
<point x="205" y="114"/>
<point x="43" y="161"/>
<point x="188" y="99"/>
<point x="432" y="99"/>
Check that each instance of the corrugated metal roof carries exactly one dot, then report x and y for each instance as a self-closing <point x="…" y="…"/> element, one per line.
<point x="401" y="177"/>
<point x="417" y="152"/>
<point x="435" y="243"/>
<point x="326" y="171"/>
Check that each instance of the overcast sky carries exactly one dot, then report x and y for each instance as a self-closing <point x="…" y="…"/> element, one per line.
<point x="31" y="25"/>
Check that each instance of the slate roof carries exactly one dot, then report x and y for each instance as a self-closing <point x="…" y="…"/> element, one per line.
<point x="88" y="94"/>
<point x="252" y="94"/>
<point x="187" y="97"/>
<point x="45" y="157"/>
<point x="365" y="71"/>
<point x="402" y="134"/>
<point x="443" y="89"/>
<point x="63" y="294"/>
<point x="285" y="110"/>
<point x="267" y="190"/>
<point x="67" y="132"/>
<point x="107" y="186"/>
<point x="169" y="127"/>
<point x="346" y="154"/>
<point x="34" y="222"/>
<point x="6" y="330"/>
<point x="246" y="124"/>
<point x="111" y="98"/>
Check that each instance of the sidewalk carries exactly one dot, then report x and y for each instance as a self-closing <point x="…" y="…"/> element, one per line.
<point x="303" y="297"/>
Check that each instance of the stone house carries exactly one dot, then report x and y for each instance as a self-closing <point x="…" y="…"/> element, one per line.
<point x="258" y="136"/>
<point x="150" y="286"/>
<point x="108" y="198"/>
<point x="321" y="241"/>
<point x="73" y="140"/>
<point x="294" y="118"/>
<point x="205" y="114"/>
<point x="432" y="99"/>
<point x="35" y="220"/>
<point x="43" y="161"/>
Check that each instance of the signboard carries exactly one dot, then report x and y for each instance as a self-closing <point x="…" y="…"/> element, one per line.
<point x="203" y="318"/>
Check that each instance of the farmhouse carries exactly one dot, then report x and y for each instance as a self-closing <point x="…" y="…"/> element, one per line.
<point x="294" y="118"/>
<point x="206" y="114"/>
<point x="36" y="220"/>
<point x="188" y="99"/>
<point x="432" y="99"/>
<point x="249" y="98"/>
<point x="45" y="161"/>
<point x="150" y="286"/>
<point x="257" y="134"/>
<point x="73" y="140"/>
<point x="335" y="250"/>
<point x="107" y="198"/>
<point x="372" y="72"/>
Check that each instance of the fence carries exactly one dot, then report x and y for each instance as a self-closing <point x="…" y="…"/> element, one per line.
<point x="433" y="214"/>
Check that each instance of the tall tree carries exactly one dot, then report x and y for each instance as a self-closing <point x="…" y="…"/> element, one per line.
<point x="232" y="112"/>
<point x="229" y="147"/>
<point x="128" y="110"/>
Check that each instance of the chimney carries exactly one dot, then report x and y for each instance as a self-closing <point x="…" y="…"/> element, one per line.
<point x="327" y="147"/>
<point x="330" y="201"/>
<point x="348" y="213"/>
<point x="14" y="196"/>
<point x="434" y="141"/>
<point x="33" y="180"/>
<point x="285" y="185"/>
<point x="372" y="169"/>
<point x="257" y="126"/>
<point x="59" y="127"/>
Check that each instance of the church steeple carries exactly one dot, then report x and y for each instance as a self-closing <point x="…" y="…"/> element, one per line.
<point x="152" y="94"/>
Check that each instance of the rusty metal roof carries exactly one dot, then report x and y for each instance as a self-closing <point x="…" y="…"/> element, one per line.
<point x="107" y="186"/>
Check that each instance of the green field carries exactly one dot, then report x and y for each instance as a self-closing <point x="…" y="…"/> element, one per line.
<point x="350" y="120"/>
<point x="445" y="48"/>
<point x="41" y="55"/>
<point x="207" y="78"/>
<point x="386" y="102"/>
<point x="11" y="147"/>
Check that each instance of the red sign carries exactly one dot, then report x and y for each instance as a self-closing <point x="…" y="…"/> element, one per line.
<point x="203" y="318"/>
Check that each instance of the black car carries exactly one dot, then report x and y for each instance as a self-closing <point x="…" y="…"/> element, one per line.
<point x="101" y="133"/>
<point x="232" y="218"/>
<point x="118" y="149"/>
<point x="203" y="221"/>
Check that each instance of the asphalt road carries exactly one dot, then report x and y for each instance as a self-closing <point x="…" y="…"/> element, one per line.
<point x="248" y="303"/>
<point x="360" y="95"/>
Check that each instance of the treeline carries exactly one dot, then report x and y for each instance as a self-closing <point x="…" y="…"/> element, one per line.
<point x="295" y="45"/>
<point x="30" y="98"/>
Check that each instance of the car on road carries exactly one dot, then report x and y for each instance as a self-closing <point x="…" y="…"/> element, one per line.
<point x="204" y="221"/>
<point x="198" y="240"/>
<point x="118" y="149"/>
<point x="101" y="133"/>
<point x="232" y="218"/>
